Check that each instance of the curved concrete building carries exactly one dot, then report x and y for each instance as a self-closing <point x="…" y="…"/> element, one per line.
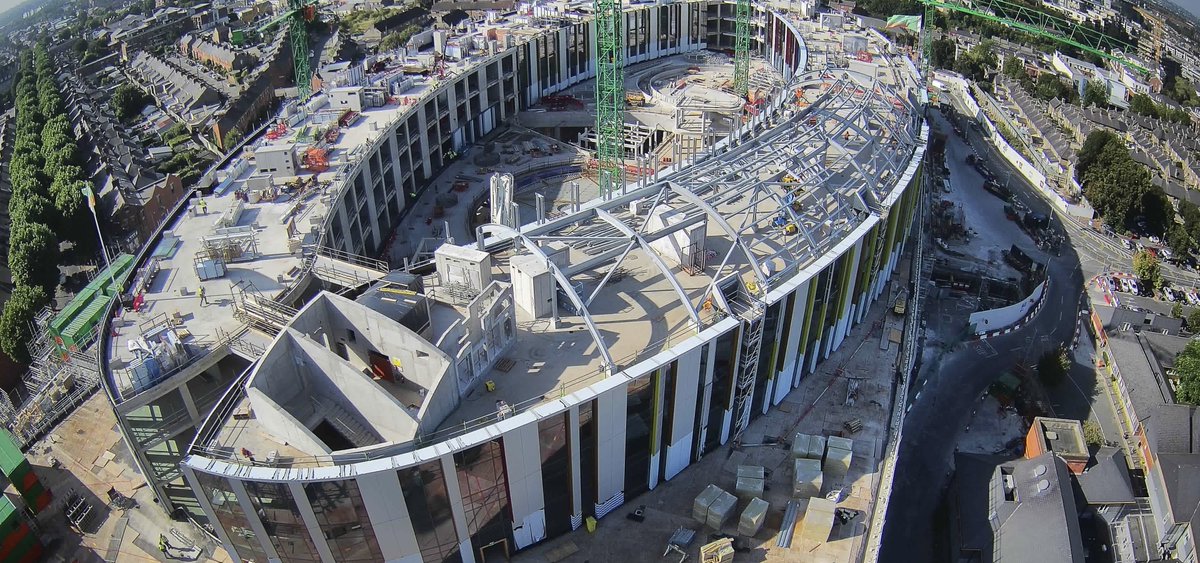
<point x="548" y="369"/>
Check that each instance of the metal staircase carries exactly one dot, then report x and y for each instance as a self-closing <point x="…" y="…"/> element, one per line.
<point x="751" y="311"/>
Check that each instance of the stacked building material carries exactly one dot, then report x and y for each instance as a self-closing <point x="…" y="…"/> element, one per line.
<point x="751" y="481"/>
<point x="703" y="501"/>
<point x="721" y="509"/>
<point x="807" y="479"/>
<point x="752" y="517"/>
<point x="818" y="520"/>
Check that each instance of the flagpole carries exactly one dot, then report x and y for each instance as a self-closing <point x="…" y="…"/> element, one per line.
<point x="91" y="201"/>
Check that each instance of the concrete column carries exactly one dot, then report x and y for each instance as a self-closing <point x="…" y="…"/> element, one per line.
<point x="383" y="496"/>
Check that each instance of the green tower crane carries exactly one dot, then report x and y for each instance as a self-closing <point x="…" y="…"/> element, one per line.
<point x="297" y="14"/>
<point x="1030" y="21"/>
<point x="610" y="97"/>
<point x="741" y="49"/>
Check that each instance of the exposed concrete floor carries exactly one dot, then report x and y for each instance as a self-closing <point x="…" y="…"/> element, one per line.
<point x="867" y="355"/>
<point x="92" y="459"/>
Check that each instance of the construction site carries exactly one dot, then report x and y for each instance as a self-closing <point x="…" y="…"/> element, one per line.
<point x="520" y="295"/>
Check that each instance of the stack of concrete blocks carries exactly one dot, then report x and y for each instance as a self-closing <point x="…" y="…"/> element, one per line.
<point x="818" y="520"/>
<point x="703" y="501"/>
<point x="805" y="446"/>
<point x="751" y="481"/>
<point x="838" y="454"/>
<point x="807" y="478"/>
<point x="752" y="518"/>
<point x="721" y="509"/>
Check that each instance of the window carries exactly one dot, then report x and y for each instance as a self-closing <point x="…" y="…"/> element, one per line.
<point x="556" y="473"/>
<point x="587" y="457"/>
<point x="343" y="519"/>
<point x="281" y="518"/>
<point x="722" y="388"/>
<point x="428" y="504"/>
<point x="483" y="484"/>
<point x="639" y="432"/>
<point x="230" y="517"/>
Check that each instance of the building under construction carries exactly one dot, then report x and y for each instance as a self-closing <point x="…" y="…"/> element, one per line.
<point x="508" y="377"/>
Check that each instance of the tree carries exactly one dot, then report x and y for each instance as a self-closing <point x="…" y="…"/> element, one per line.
<point x="1052" y="366"/>
<point x="1093" y="435"/>
<point x="232" y="138"/>
<point x="1014" y="68"/>
<point x="1141" y="103"/>
<point x="1193" y="320"/>
<point x="32" y="208"/>
<point x="19" y="311"/>
<point x="1148" y="270"/>
<point x="942" y="53"/>
<point x="1177" y="310"/>
<point x="1187" y="370"/>
<point x="1048" y="86"/>
<point x="1179" y="240"/>
<point x="1089" y="153"/>
<point x="33" y="256"/>
<point x="977" y="62"/>
<point x="128" y="101"/>
<point x="1095" y="94"/>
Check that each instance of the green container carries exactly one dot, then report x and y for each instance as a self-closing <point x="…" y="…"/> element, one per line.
<point x="68" y="314"/>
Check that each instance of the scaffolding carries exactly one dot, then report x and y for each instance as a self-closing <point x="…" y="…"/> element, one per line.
<point x="741" y="49"/>
<point x="610" y="96"/>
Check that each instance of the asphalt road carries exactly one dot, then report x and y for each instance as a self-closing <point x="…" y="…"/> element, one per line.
<point x="1098" y="252"/>
<point x="955" y="374"/>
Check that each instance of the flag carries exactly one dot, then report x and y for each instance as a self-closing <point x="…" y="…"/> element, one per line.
<point x="91" y="198"/>
<point x="899" y="22"/>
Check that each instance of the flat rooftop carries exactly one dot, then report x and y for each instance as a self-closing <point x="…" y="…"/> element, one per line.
<point x="757" y="213"/>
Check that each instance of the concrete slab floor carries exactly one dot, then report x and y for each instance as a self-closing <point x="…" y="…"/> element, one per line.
<point x="816" y="407"/>
<point x="90" y="458"/>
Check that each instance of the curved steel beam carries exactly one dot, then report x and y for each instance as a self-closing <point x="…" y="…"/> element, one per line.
<point x="654" y="257"/>
<point x="565" y="283"/>
<point x="729" y="230"/>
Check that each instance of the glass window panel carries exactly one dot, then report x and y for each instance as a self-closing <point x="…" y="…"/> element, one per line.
<point x="483" y="483"/>
<point x="343" y="519"/>
<point x="281" y="518"/>
<point x="428" y="503"/>
<point x="231" y="518"/>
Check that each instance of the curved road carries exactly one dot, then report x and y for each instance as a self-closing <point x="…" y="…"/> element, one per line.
<point x="954" y="380"/>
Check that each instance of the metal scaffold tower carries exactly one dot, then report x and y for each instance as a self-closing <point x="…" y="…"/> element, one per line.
<point x="610" y="96"/>
<point x="741" y="50"/>
<point x="1030" y="21"/>
<point x="297" y="15"/>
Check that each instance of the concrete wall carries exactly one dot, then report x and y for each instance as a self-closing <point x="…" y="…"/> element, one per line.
<point x="996" y="319"/>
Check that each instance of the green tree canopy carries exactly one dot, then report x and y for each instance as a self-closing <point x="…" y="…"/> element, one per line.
<point x="977" y="61"/>
<point x="1052" y="367"/>
<point x="128" y="100"/>
<point x="1148" y="270"/>
<point x="19" y="311"/>
<point x="1095" y="94"/>
<point x="1187" y="370"/>
<point x="1179" y="240"/>
<point x="32" y="208"/>
<point x="942" y="53"/>
<point x="1093" y="145"/>
<point x="33" y="256"/>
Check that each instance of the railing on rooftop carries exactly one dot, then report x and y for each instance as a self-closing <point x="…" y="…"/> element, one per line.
<point x="205" y="442"/>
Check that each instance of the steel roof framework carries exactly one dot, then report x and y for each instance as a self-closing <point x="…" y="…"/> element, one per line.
<point x="840" y="166"/>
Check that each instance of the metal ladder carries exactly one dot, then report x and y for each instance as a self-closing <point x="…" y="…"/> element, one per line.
<point x="752" y="332"/>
